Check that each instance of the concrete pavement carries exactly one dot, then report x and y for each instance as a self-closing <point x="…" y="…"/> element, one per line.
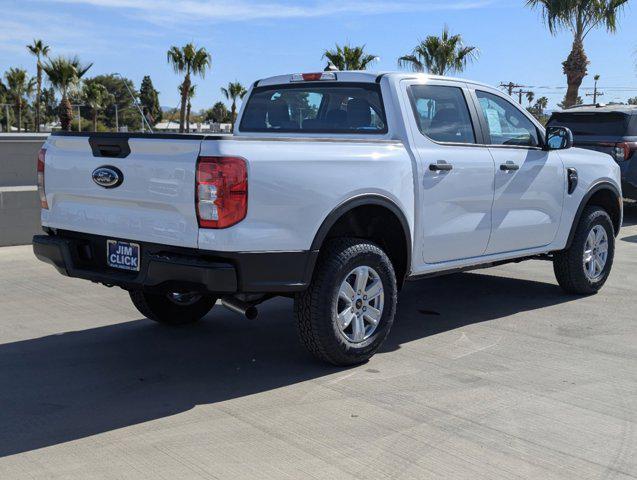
<point x="495" y="374"/>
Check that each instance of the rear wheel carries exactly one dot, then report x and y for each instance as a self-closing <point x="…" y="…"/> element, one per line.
<point x="172" y="308"/>
<point x="348" y="310"/>
<point x="586" y="265"/>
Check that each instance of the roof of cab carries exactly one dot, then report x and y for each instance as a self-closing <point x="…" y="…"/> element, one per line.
<point x="625" y="109"/>
<point x="364" y="76"/>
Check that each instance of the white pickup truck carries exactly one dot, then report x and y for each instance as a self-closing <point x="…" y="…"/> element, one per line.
<point x="335" y="189"/>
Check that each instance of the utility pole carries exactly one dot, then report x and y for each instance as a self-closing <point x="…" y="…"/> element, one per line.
<point x="79" y="117"/>
<point x="510" y="87"/>
<point x="595" y="93"/>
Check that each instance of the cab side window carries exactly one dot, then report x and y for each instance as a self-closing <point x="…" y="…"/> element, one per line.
<point x="442" y="113"/>
<point x="507" y="125"/>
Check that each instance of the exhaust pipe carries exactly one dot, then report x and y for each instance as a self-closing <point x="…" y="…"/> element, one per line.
<point x="240" y="307"/>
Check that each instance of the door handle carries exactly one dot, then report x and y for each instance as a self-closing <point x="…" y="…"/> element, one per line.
<point x="440" y="166"/>
<point x="509" y="167"/>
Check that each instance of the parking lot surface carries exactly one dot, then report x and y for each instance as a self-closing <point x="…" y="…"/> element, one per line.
<point x="492" y="374"/>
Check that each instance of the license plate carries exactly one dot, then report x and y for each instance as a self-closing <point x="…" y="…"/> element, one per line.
<point x="122" y="255"/>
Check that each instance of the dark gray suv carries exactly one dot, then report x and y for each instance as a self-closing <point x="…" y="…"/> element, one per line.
<point x="610" y="129"/>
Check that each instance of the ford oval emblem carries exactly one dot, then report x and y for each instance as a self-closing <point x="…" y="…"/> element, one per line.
<point x="108" y="177"/>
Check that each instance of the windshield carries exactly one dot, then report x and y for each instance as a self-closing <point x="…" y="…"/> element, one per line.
<point x="602" y="123"/>
<point x="315" y="108"/>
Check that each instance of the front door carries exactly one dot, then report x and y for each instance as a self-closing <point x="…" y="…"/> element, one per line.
<point x="529" y="181"/>
<point x="455" y="174"/>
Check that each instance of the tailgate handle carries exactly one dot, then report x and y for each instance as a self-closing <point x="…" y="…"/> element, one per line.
<point x="109" y="150"/>
<point x="109" y="146"/>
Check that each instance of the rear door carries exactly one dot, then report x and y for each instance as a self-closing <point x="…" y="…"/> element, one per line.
<point x="153" y="202"/>
<point x="529" y="182"/>
<point x="455" y="173"/>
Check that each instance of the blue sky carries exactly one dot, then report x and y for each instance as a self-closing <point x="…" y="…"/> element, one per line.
<point x="251" y="39"/>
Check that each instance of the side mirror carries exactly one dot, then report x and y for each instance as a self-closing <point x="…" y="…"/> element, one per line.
<point x="558" y="138"/>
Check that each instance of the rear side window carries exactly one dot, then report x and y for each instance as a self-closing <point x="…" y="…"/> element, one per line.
<point x="592" y="123"/>
<point x="506" y="123"/>
<point x="315" y="108"/>
<point x="442" y="113"/>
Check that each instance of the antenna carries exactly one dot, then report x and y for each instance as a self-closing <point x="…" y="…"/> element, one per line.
<point x="141" y="112"/>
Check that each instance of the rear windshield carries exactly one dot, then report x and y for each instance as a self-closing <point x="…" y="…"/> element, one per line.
<point x="615" y="124"/>
<point x="315" y="108"/>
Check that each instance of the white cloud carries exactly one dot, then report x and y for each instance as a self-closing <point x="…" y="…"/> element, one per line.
<point x="242" y="10"/>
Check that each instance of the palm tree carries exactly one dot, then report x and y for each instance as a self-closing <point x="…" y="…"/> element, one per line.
<point x="39" y="50"/>
<point x="579" y="17"/>
<point x="96" y="97"/>
<point x="19" y="87"/>
<point x="65" y="74"/>
<point x="188" y="60"/>
<point x="530" y="96"/>
<point x="232" y="92"/>
<point x="541" y="104"/>
<point x="440" y="55"/>
<point x="349" y="58"/>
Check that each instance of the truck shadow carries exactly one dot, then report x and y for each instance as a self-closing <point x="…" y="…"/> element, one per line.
<point x="69" y="386"/>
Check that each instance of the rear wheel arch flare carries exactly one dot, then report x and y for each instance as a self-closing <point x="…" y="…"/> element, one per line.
<point x="360" y="217"/>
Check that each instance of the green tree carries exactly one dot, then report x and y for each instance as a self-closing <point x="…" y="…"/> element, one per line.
<point x="188" y="60"/>
<point x="347" y="57"/>
<point x="40" y="51"/>
<point x="530" y="96"/>
<point x="48" y="104"/>
<point x="541" y="104"/>
<point x="218" y="113"/>
<point x="632" y="101"/>
<point x="64" y="74"/>
<point x="3" y="99"/>
<point x="121" y="111"/>
<point x="149" y="98"/>
<point x="440" y="55"/>
<point x="233" y="92"/>
<point x="579" y="17"/>
<point x="19" y="88"/>
<point x="96" y="97"/>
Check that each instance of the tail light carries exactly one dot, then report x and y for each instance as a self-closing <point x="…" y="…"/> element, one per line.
<point x="41" y="191"/>
<point x="222" y="191"/>
<point x="624" y="150"/>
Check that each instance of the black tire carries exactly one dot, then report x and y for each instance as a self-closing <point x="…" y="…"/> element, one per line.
<point x="569" y="264"/>
<point x="161" y="309"/>
<point x="315" y="308"/>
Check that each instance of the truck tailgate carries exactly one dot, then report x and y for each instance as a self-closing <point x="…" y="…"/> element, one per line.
<point x="153" y="203"/>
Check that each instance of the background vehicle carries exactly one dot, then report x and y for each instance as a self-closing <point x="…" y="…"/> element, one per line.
<point x="335" y="189"/>
<point x="610" y="129"/>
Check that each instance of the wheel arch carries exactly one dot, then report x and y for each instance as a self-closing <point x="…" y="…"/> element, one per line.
<point x="603" y="194"/>
<point x="345" y="218"/>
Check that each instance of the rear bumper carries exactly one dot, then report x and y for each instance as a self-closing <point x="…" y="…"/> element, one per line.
<point x="164" y="268"/>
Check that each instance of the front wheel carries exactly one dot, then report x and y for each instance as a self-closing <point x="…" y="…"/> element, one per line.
<point x="586" y="265"/>
<point x="172" y="308"/>
<point x="347" y="311"/>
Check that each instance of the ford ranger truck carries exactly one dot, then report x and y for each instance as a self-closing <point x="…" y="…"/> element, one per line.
<point x="334" y="189"/>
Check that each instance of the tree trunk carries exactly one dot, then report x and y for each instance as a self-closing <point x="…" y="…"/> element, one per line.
<point x="233" y="115"/>
<point x="185" y="88"/>
<point x="575" y="69"/>
<point x="66" y="114"/>
<point x="95" y="120"/>
<point x="19" y="118"/>
<point x="37" y="98"/>
<point x="188" y="117"/>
